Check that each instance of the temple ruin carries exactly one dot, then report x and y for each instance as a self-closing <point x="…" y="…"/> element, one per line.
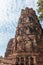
<point x="26" y="48"/>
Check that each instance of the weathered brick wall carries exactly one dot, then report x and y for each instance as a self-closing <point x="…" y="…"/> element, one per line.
<point x="28" y="41"/>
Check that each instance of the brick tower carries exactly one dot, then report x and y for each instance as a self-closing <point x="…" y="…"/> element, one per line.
<point x="27" y="46"/>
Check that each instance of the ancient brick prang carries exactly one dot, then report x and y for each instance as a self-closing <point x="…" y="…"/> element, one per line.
<point x="27" y="46"/>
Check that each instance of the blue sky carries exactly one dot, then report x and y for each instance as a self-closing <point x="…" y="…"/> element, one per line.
<point x="9" y="15"/>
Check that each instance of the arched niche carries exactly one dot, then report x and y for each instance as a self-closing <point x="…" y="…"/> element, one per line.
<point x="32" y="60"/>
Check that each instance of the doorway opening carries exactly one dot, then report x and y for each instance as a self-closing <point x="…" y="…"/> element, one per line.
<point x="32" y="61"/>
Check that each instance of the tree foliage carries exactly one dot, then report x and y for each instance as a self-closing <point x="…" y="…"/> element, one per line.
<point x="40" y="9"/>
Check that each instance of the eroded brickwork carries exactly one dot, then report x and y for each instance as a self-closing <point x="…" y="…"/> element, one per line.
<point x="27" y="46"/>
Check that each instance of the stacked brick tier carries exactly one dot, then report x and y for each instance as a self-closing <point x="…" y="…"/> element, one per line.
<point x="27" y="46"/>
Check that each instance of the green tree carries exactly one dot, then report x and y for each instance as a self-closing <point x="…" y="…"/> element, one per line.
<point x="40" y="9"/>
